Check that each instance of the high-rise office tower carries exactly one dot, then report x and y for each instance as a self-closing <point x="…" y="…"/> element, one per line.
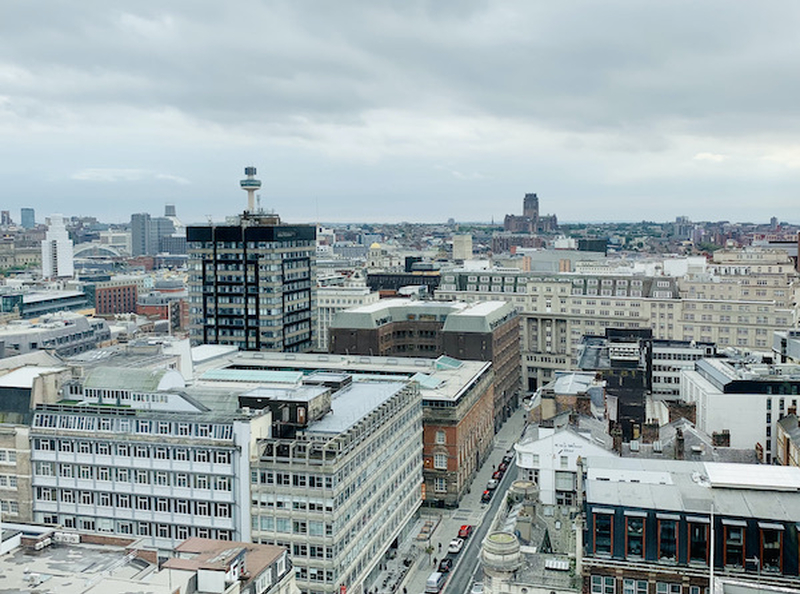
<point x="5" y="218"/>
<point x="253" y="283"/>
<point x="147" y="232"/>
<point x="27" y="218"/>
<point x="57" y="250"/>
<point x="140" y="233"/>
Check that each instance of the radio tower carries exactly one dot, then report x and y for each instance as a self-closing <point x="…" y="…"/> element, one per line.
<point x="250" y="185"/>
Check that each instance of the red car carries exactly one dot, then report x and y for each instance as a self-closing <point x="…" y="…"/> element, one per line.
<point x="498" y="474"/>
<point x="503" y="467"/>
<point x="465" y="531"/>
<point x="486" y="497"/>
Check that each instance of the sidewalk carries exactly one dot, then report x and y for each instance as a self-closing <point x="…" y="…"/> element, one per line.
<point x="442" y="525"/>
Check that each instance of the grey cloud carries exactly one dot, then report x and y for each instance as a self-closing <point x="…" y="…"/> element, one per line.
<point x="596" y="87"/>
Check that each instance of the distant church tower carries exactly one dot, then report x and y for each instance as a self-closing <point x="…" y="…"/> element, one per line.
<point x="530" y="208"/>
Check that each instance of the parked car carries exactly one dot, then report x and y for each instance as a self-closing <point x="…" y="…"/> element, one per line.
<point x="465" y="531"/>
<point x="497" y="474"/>
<point x="503" y="467"/>
<point x="445" y="565"/>
<point x="477" y="588"/>
<point x="487" y="496"/>
<point x="492" y="485"/>
<point x="455" y="546"/>
<point x="507" y="459"/>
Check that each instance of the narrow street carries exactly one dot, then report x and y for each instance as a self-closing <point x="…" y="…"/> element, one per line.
<point x="446" y="524"/>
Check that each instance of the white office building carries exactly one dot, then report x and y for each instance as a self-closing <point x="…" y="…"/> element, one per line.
<point x="344" y="486"/>
<point x="127" y="453"/>
<point x="746" y="399"/>
<point x="57" y="250"/>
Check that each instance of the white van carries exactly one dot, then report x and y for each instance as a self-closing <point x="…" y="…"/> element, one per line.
<point x="435" y="583"/>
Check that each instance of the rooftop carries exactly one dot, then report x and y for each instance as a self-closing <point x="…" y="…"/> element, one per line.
<point x="81" y="569"/>
<point x="133" y="379"/>
<point x="442" y="379"/>
<point x="203" y="553"/>
<point x="25" y="376"/>
<point x="352" y="404"/>
<point x="736" y="490"/>
<point x="457" y="316"/>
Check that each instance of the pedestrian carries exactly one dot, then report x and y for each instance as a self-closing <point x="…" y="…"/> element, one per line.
<point x="405" y="590"/>
<point x="440" y="547"/>
<point x="434" y="561"/>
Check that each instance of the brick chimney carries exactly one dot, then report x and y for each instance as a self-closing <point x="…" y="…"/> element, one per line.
<point x="721" y="439"/>
<point x="650" y="432"/>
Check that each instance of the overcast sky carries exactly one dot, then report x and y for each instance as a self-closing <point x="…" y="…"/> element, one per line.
<point x="402" y="110"/>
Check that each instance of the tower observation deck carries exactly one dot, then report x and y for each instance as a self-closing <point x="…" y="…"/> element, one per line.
<point x="250" y="185"/>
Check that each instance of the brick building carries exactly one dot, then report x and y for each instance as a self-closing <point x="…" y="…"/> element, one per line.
<point x="406" y="328"/>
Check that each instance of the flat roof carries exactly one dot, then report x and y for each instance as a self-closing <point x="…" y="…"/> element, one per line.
<point x="82" y="569"/>
<point x="25" y="376"/>
<point x="735" y="490"/>
<point x="48" y="295"/>
<point x="450" y="376"/>
<point x="350" y="405"/>
<point x="457" y="316"/>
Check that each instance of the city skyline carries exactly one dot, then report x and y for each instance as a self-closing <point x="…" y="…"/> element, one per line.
<point x="418" y="112"/>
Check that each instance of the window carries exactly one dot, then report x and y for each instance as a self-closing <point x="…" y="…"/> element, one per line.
<point x="698" y="542"/>
<point x="634" y="536"/>
<point x="440" y="437"/>
<point x="603" y="533"/>
<point x="440" y="461"/>
<point x="667" y="540"/>
<point x="667" y="588"/>
<point x="603" y="584"/>
<point x="440" y="485"/>
<point x="771" y="546"/>
<point x="634" y="587"/>
<point x="734" y="545"/>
